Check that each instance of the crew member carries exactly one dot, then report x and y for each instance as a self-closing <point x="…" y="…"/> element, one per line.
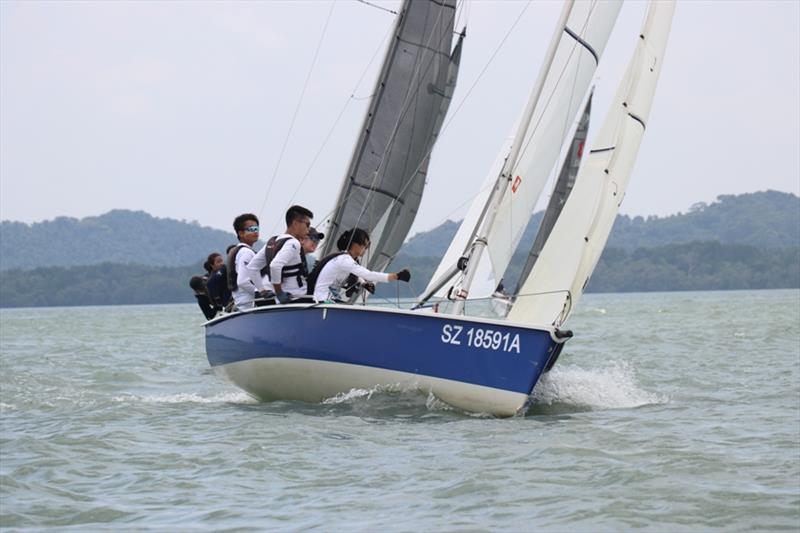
<point x="283" y="257"/>
<point x="244" y="287"/>
<point x="339" y="271"/>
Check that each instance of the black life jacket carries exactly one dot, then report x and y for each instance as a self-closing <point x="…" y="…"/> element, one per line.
<point x="314" y="275"/>
<point x="297" y="270"/>
<point x="230" y="266"/>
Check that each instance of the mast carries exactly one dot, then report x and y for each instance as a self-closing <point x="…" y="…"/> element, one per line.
<point x="505" y="178"/>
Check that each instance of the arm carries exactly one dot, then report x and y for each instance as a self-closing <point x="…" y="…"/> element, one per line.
<point x="369" y="275"/>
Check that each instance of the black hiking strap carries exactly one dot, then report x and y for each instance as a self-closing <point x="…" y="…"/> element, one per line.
<point x="314" y="275"/>
<point x="231" y="266"/>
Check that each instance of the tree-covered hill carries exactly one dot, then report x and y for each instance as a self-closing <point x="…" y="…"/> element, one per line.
<point x="750" y="241"/>
<point x="763" y="219"/>
<point x="119" y="236"/>
<point x="767" y="219"/>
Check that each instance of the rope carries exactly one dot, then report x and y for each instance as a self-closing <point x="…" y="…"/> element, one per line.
<point x="338" y="118"/>
<point x="297" y="109"/>
<point x="377" y="6"/>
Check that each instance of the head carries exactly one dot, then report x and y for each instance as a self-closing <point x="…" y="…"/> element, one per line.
<point x="298" y="220"/>
<point x="197" y="284"/>
<point x="246" y="228"/>
<point x="214" y="262"/>
<point x="354" y="241"/>
<point x="312" y="240"/>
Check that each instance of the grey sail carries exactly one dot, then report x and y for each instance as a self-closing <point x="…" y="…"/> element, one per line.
<point x="402" y="213"/>
<point x="563" y="186"/>
<point x="386" y="175"/>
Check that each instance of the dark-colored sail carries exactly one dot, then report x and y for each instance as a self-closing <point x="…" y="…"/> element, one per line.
<point x="386" y="176"/>
<point x="563" y="186"/>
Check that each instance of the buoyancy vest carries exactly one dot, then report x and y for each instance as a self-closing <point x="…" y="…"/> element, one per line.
<point x="230" y="266"/>
<point x="297" y="270"/>
<point x="314" y="275"/>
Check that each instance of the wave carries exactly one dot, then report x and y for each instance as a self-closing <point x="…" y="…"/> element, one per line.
<point x="611" y="387"/>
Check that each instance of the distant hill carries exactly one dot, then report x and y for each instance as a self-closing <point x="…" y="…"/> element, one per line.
<point x="763" y="219"/>
<point x="119" y="236"/>
<point x="749" y="241"/>
<point x="768" y="219"/>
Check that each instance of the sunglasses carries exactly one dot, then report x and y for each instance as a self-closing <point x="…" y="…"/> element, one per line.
<point x="251" y="229"/>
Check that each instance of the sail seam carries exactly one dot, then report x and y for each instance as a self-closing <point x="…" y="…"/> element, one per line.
<point x="380" y="191"/>
<point x="583" y="43"/>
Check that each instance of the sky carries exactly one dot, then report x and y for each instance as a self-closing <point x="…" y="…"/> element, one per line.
<point x="204" y="110"/>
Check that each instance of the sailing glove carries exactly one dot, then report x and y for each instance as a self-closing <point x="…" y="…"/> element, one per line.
<point x="283" y="297"/>
<point x="404" y="275"/>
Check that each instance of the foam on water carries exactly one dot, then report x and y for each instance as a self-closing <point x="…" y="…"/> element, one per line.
<point x="228" y="397"/>
<point x="611" y="387"/>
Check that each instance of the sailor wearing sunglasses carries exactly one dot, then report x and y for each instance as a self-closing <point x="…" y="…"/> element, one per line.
<point x="242" y="285"/>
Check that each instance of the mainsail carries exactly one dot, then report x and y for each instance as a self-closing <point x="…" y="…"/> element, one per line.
<point x="386" y="176"/>
<point x="575" y="50"/>
<point x="570" y="255"/>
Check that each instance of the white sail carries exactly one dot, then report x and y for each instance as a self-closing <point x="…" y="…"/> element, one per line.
<point x="571" y="253"/>
<point x="458" y="246"/>
<point x="580" y="48"/>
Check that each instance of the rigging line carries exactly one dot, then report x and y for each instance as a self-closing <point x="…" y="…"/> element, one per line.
<point x="341" y="113"/>
<point x="377" y="6"/>
<point x="297" y="108"/>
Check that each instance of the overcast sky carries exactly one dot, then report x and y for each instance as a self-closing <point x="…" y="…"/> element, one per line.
<point x="182" y="108"/>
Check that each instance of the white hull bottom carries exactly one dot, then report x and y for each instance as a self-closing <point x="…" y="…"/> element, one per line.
<point x="310" y="380"/>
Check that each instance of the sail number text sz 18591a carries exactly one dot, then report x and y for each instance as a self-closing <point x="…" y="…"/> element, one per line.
<point x="480" y="338"/>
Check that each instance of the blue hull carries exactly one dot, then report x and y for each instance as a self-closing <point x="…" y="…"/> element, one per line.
<point x="314" y="352"/>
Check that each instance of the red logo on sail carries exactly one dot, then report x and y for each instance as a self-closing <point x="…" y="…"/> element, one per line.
<point x="516" y="183"/>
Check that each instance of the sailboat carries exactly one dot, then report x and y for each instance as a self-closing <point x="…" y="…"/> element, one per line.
<point x="310" y="352"/>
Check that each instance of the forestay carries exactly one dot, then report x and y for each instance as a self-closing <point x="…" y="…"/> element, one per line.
<point x="386" y="177"/>
<point x="571" y="253"/>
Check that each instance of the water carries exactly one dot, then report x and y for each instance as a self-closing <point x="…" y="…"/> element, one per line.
<point x="670" y="411"/>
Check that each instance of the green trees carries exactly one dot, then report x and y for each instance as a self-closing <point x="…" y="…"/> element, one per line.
<point x="749" y="241"/>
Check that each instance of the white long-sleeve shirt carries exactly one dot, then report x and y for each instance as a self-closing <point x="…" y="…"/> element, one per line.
<point x="289" y="254"/>
<point x="247" y="286"/>
<point x="335" y="272"/>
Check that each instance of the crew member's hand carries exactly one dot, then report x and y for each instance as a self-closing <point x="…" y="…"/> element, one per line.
<point x="370" y="287"/>
<point x="404" y="275"/>
<point x="283" y="297"/>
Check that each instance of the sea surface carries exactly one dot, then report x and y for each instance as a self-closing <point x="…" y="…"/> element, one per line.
<point x="666" y="412"/>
